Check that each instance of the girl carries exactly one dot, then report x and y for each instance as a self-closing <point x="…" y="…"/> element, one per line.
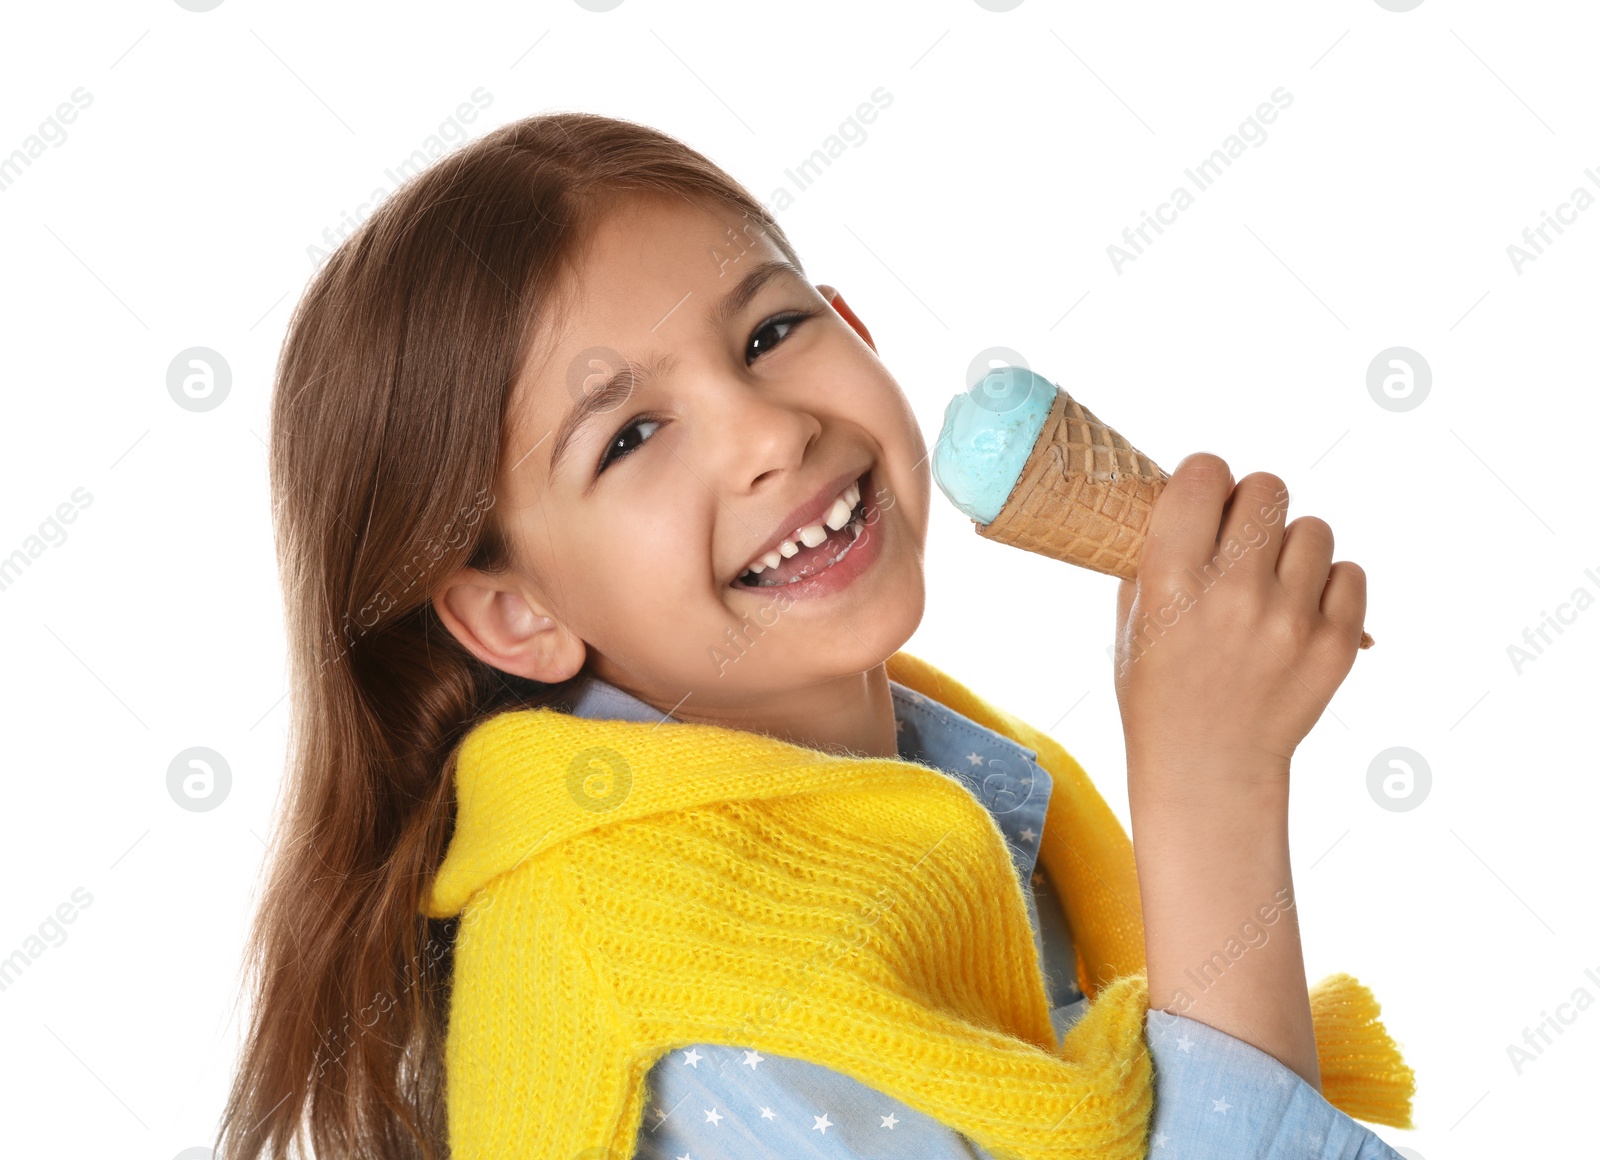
<point x="617" y="822"/>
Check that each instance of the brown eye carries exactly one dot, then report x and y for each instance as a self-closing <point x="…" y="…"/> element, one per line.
<point x="758" y="347"/>
<point x="620" y="445"/>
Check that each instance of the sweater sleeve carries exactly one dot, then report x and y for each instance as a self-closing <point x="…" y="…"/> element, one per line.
<point x="533" y="1048"/>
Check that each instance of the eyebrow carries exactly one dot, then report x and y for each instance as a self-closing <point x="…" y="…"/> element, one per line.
<point x="616" y="389"/>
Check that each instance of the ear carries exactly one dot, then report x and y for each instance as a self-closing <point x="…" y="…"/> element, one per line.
<point x="502" y="625"/>
<point x="844" y="311"/>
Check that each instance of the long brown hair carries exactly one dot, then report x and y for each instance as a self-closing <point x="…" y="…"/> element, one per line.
<point x="388" y="428"/>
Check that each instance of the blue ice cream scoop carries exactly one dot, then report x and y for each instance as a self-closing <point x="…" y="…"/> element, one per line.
<point x="989" y="431"/>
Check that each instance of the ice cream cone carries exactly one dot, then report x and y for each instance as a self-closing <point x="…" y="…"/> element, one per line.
<point x="1084" y="496"/>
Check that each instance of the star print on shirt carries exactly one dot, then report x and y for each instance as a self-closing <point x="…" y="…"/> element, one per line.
<point x="1184" y="1043"/>
<point x="768" y="1114"/>
<point x="692" y="1058"/>
<point x="1220" y="1106"/>
<point x="822" y="1123"/>
<point x="975" y="759"/>
<point x="1161" y="1139"/>
<point x="752" y="1058"/>
<point x="1028" y="835"/>
<point x="889" y="1121"/>
<point x="713" y="1118"/>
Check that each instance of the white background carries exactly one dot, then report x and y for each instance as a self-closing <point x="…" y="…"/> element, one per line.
<point x="976" y="213"/>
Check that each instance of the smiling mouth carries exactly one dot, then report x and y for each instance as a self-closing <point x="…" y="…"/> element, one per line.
<point x="808" y="561"/>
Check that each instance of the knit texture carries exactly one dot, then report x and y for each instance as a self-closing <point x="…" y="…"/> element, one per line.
<point x="1362" y="1071"/>
<point x="626" y="888"/>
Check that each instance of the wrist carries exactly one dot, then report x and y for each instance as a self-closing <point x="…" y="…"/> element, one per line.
<point x="1208" y="786"/>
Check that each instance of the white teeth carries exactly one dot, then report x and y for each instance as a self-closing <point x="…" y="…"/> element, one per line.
<point x="838" y="515"/>
<point x="775" y="557"/>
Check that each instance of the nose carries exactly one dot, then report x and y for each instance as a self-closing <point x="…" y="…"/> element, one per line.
<point x="752" y="435"/>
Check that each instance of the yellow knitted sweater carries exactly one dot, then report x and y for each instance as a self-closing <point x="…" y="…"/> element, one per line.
<point x="626" y="888"/>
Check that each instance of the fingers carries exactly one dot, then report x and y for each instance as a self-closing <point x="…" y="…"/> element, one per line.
<point x="1204" y="526"/>
<point x="1305" y="559"/>
<point x="1184" y="522"/>
<point x="1252" y="530"/>
<point x="1344" y="599"/>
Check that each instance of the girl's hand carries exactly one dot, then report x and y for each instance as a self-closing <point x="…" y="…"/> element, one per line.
<point x="1230" y="640"/>
<point x="1235" y="632"/>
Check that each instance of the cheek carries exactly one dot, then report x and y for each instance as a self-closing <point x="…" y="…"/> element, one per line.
<point x="919" y="444"/>
<point x="909" y="473"/>
<point x="651" y="563"/>
<point x="895" y="426"/>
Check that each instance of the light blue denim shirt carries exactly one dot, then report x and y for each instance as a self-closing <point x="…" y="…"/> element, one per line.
<point x="1216" y="1097"/>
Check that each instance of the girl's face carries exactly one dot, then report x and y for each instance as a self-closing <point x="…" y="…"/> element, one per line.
<point x="638" y="503"/>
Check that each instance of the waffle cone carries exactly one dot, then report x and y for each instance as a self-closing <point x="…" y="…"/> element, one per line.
<point x="1084" y="496"/>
